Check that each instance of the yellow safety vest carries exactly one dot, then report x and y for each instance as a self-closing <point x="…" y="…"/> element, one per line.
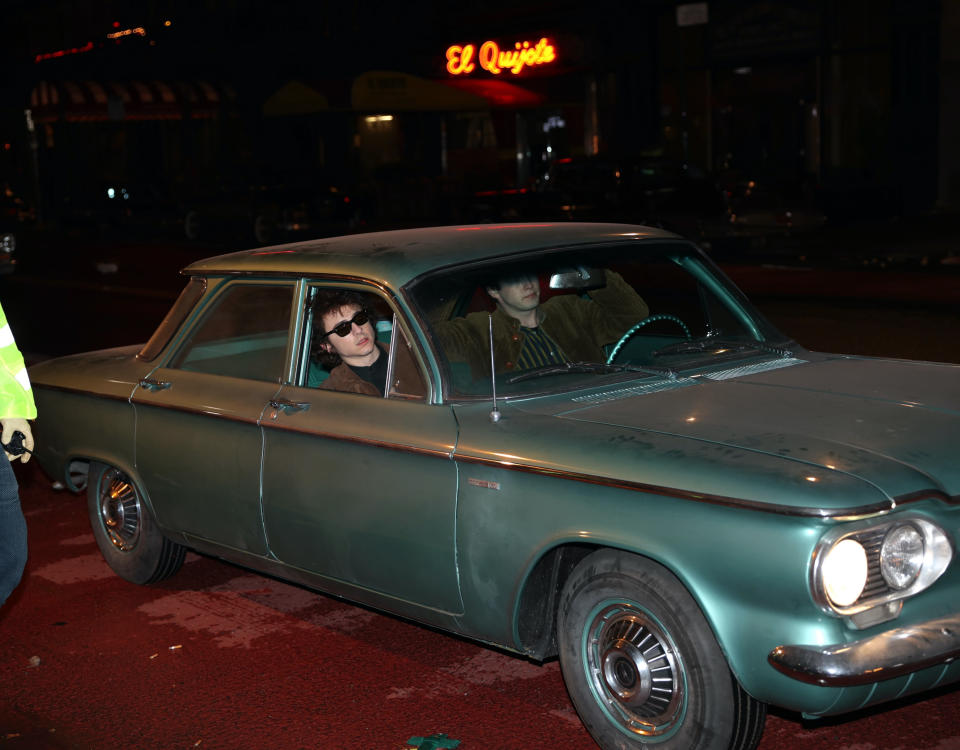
<point x="16" y="396"/>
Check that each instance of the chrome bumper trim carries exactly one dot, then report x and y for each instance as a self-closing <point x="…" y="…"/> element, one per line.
<point x="880" y="657"/>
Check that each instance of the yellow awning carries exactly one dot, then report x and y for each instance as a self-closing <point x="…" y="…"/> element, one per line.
<point x="295" y="98"/>
<point x="390" y="91"/>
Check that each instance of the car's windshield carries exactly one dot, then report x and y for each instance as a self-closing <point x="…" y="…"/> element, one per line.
<point x="562" y="319"/>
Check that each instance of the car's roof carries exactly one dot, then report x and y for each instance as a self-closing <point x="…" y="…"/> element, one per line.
<point x="396" y="257"/>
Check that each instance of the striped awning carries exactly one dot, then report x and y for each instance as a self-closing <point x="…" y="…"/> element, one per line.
<point x="100" y="101"/>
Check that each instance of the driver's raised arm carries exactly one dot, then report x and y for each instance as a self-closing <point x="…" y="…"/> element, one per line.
<point x="611" y="310"/>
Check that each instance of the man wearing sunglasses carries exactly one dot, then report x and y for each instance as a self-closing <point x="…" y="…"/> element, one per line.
<point x="346" y="343"/>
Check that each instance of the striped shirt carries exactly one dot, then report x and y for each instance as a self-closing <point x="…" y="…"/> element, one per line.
<point x="538" y="350"/>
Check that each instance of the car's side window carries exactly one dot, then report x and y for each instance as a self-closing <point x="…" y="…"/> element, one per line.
<point x="348" y="341"/>
<point x="244" y="335"/>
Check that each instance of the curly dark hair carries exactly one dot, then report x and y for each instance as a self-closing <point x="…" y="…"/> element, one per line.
<point x="326" y="301"/>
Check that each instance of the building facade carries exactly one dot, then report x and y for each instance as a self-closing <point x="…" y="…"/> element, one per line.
<point x="845" y="103"/>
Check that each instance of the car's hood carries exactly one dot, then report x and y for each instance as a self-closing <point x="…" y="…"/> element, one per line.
<point x="894" y="424"/>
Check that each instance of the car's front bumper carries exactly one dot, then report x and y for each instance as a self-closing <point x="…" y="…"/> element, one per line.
<point x="880" y="657"/>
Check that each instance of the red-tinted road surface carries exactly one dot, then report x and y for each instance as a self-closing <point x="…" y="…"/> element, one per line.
<point x="218" y="657"/>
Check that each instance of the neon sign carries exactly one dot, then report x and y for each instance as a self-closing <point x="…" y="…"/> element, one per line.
<point x="89" y="46"/>
<point x="493" y="59"/>
<point x="127" y="32"/>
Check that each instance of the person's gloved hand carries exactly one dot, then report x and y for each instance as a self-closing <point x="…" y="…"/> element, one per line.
<point x="12" y="425"/>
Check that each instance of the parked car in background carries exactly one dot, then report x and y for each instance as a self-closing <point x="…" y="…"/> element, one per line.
<point x="15" y="216"/>
<point x="265" y="212"/>
<point x="8" y="243"/>
<point x="759" y="210"/>
<point x="699" y="519"/>
<point x="126" y="208"/>
<point x="650" y="190"/>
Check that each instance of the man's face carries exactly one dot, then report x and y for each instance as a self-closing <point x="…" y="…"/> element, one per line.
<point x="358" y="346"/>
<point x="518" y="295"/>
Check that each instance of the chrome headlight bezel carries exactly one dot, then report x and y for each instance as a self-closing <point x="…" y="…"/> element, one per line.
<point x="872" y="535"/>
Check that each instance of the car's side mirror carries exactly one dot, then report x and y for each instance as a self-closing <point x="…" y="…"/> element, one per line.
<point x="581" y="277"/>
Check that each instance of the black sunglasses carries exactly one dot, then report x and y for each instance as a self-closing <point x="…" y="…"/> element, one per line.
<point x="344" y="327"/>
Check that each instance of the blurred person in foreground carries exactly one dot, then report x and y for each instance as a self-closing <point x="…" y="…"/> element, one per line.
<point x="16" y="407"/>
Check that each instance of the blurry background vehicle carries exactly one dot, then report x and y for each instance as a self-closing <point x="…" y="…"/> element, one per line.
<point x="123" y="207"/>
<point x="15" y="216"/>
<point x="759" y="209"/>
<point x="267" y="211"/>
<point x="8" y="244"/>
<point x="649" y="190"/>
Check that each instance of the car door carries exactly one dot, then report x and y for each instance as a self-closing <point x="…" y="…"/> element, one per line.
<point x="198" y="442"/>
<point x="362" y="489"/>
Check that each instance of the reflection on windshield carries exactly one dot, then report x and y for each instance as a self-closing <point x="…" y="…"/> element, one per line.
<point x="561" y="320"/>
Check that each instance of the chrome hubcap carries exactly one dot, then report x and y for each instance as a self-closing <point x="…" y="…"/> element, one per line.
<point x="120" y="510"/>
<point x="635" y="670"/>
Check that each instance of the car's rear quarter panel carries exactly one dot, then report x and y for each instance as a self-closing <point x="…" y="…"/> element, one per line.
<point x="83" y="409"/>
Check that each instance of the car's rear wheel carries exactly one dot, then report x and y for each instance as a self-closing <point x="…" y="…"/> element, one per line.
<point x="128" y="538"/>
<point x="642" y="665"/>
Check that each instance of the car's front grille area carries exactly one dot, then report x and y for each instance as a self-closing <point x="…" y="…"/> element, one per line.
<point x="876" y="586"/>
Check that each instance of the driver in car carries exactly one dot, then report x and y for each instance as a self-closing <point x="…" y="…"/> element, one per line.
<point x="528" y="334"/>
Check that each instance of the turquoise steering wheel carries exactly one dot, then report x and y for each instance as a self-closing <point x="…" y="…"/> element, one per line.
<point x="653" y="318"/>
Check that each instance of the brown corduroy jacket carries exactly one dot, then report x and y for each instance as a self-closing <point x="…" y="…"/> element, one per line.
<point x="406" y="376"/>
<point x="580" y="327"/>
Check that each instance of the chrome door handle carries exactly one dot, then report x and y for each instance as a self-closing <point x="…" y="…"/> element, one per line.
<point x="155" y="385"/>
<point x="288" y="406"/>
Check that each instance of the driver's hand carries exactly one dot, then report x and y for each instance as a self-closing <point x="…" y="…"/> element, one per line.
<point x="12" y="425"/>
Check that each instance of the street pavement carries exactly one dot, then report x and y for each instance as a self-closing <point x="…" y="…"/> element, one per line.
<point x="219" y="658"/>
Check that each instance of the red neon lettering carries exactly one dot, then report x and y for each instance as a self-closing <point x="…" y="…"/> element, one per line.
<point x="62" y="52"/>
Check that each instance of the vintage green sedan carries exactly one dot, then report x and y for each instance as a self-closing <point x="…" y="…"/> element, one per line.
<point x="568" y="440"/>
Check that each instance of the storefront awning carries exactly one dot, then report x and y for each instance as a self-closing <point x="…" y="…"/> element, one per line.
<point x="391" y="91"/>
<point x="295" y="98"/>
<point x="499" y="93"/>
<point x="100" y="101"/>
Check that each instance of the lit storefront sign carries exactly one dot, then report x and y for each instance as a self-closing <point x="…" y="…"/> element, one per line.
<point x="463" y="59"/>
<point x="139" y="30"/>
<point x="115" y="36"/>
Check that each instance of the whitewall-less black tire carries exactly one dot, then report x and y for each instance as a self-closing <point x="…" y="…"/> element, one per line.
<point x="125" y="531"/>
<point x="642" y="665"/>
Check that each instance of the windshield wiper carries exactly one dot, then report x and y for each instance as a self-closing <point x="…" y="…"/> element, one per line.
<point x="571" y="368"/>
<point x="711" y="342"/>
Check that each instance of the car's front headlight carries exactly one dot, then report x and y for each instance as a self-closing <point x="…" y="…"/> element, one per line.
<point x="844" y="572"/>
<point x="864" y="570"/>
<point x="901" y="556"/>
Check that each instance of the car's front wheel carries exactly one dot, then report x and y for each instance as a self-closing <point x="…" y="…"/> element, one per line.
<point x="127" y="536"/>
<point x="642" y="665"/>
